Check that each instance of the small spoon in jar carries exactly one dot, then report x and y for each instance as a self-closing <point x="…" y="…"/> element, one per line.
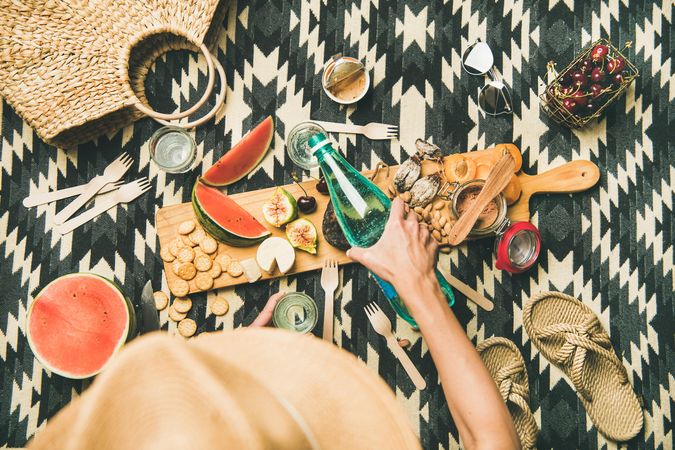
<point x="496" y="181"/>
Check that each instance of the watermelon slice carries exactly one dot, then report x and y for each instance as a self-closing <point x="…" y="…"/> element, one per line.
<point x="77" y="323"/>
<point x="243" y="157"/>
<point x="224" y="219"/>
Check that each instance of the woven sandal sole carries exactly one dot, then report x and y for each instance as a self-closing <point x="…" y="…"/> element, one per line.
<point x="498" y="353"/>
<point x="614" y="408"/>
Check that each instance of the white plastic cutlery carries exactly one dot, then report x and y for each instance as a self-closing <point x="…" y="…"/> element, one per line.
<point x="329" y="282"/>
<point x="125" y="194"/>
<point x="112" y="173"/>
<point x="375" y="131"/>
<point x="382" y="325"/>
<point x="47" y="197"/>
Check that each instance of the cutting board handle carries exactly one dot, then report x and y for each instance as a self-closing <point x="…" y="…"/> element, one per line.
<point x="574" y="176"/>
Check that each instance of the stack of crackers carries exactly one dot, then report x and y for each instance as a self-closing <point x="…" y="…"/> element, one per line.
<point x="194" y="256"/>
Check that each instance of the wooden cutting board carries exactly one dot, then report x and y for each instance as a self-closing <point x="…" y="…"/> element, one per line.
<point x="575" y="176"/>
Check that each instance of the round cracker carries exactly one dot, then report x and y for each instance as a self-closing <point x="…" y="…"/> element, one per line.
<point x="186" y="227"/>
<point x="175" y="266"/>
<point x="166" y="255"/>
<point x="187" y="327"/>
<point x="235" y="269"/>
<point x="216" y="270"/>
<point x="220" y="306"/>
<point x="208" y="245"/>
<point x="197" y="236"/>
<point x="186" y="240"/>
<point x="186" y="271"/>
<point x="175" y="246"/>
<point x="224" y="260"/>
<point x="203" y="263"/>
<point x="175" y="315"/>
<point x="204" y="281"/>
<point x="161" y="300"/>
<point x="179" y="288"/>
<point x="186" y="255"/>
<point x="182" y="304"/>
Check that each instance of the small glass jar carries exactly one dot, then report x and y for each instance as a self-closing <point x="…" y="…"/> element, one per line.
<point x="517" y="245"/>
<point x="499" y="203"/>
<point x="173" y="149"/>
<point x="297" y="312"/>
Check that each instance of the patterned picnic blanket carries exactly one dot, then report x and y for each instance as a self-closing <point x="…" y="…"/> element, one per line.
<point x="611" y="246"/>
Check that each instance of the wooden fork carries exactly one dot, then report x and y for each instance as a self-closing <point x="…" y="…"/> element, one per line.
<point x="382" y="325"/>
<point x="329" y="282"/>
<point x="373" y="130"/>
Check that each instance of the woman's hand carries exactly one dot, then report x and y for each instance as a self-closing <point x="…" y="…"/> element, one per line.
<point x="405" y="255"/>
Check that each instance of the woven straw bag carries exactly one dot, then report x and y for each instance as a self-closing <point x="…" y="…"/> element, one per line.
<point x="74" y="69"/>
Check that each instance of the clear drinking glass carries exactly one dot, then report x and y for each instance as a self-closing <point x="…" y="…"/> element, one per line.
<point x="298" y="147"/>
<point x="297" y="312"/>
<point x="173" y="149"/>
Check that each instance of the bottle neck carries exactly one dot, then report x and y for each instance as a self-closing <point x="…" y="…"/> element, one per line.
<point x="320" y="146"/>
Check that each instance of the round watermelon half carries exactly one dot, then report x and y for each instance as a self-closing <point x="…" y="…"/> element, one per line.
<point x="243" y="157"/>
<point x="77" y="323"/>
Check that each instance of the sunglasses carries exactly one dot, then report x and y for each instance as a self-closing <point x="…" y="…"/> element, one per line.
<point x="494" y="98"/>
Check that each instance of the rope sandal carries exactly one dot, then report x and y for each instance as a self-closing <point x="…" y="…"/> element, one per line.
<point x="568" y="334"/>
<point x="507" y="367"/>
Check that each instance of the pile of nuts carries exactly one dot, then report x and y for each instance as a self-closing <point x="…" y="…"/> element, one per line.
<point x="431" y="215"/>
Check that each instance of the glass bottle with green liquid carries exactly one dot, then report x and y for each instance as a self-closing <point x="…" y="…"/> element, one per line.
<point x="362" y="209"/>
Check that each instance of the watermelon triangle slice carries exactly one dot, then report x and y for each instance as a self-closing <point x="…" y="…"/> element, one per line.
<point x="224" y="219"/>
<point x="243" y="157"/>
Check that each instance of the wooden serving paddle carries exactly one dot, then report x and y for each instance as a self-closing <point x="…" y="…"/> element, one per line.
<point x="496" y="181"/>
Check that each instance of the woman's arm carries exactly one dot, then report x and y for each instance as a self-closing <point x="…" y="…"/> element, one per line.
<point x="405" y="256"/>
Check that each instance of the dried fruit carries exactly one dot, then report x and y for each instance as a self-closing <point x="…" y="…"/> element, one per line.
<point x="427" y="150"/>
<point x="459" y="169"/>
<point x="425" y="189"/>
<point x="407" y="173"/>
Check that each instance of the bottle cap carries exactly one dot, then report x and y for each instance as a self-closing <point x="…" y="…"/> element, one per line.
<point x="318" y="138"/>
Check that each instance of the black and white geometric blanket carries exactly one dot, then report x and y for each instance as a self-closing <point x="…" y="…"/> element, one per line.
<point x="611" y="246"/>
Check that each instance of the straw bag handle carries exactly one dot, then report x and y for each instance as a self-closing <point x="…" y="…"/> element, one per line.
<point x="220" y="99"/>
<point x="179" y="115"/>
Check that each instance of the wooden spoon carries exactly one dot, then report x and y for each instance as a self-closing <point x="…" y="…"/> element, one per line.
<point x="496" y="181"/>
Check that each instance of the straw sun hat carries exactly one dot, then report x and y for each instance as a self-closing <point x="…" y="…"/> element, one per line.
<point x="253" y="388"/>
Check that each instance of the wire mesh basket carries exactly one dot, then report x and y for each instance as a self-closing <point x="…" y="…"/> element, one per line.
<point x="571" y="102"/>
